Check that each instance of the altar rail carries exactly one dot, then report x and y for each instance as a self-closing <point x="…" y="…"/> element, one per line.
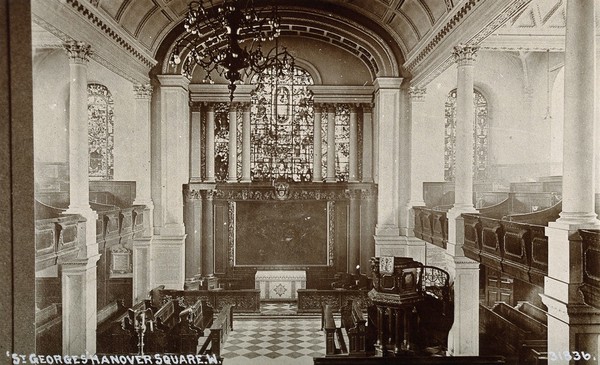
<point x="517" y="249"/>
<point x="591" y="269"/>
<point x="244" y="300"/>
<point x="314" y="300"/>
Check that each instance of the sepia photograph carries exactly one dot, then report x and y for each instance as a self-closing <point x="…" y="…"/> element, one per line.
<point x="310" y="182"/>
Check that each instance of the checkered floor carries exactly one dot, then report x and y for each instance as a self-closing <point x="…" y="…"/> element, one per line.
<point x="267" y="339"/>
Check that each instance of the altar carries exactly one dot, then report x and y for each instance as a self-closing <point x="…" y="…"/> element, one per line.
<point x="279" y="284"/>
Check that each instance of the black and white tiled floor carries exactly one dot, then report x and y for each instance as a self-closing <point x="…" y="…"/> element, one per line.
<point x="276" y="336"/>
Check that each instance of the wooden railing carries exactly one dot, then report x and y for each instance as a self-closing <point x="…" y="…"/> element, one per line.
<point x="334" y="340"/>
<point x="591" y="269"/>
<point x="517" y="249"/>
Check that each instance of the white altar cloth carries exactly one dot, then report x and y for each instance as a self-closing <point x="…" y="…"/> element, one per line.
<point x="279" y="284"/>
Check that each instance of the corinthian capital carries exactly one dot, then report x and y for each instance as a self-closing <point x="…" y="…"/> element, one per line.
<point x="142" y="91"/>
<point x="465" y="54"/>
<point x="78" y="52"/>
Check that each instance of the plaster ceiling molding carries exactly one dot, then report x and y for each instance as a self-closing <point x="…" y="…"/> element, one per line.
<point x="81" y="21"/>
<point x="469" y="24"/>
<point x="342" y="33"/>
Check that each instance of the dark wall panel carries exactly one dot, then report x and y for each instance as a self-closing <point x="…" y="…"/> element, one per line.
<point x="221" y="237"/>
<point x="272" y="233"/>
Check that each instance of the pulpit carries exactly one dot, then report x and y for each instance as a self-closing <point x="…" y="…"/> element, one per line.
<point x="279" y="284"/>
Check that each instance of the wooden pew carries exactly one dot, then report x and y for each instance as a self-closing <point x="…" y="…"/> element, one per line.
<point x="158" y="339"/>
<point x="114" y="333"/>
<point x="190" y="327"/>
<point x="334" y="340"/>
<point x="355" y="325"/>
<point x="219" y="331"/>
<point x="48" y="330"/>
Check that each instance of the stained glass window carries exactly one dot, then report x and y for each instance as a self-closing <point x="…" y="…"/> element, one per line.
<point x="221" y="141"/>
<point x="342" y="142"/>
<point x="282" y="126"/>
<point x="480" y="135"/>
<point x="100" y="132"/>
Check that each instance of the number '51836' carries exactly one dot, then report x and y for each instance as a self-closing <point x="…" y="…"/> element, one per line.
<point x="570" y="355"/>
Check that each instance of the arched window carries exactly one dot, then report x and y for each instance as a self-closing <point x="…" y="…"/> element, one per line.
<point x="282" y="119"/>
<point x="100" y="132"/>
<point x="480" y="135"/>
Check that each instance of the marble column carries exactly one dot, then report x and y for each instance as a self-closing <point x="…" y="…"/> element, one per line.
<point x="387" y="231"/>
<point x="232" y="167"/>
<point x="367" y="144"/>
<point x="79" y="278"/>
<point x="172" y="172"/>
<point x="193" y="230"/>
<point x="317" y="148"/>
<point x="463" y="338"/>
<point x="246" y="143"/>
<point x="210" y="143"/>
<point x="417" y="122"/>
<point x="354" y="230"/>
<point x="330" y="144"/>
<point x="572" y="324"/>
<point x="196" y="142"/>
<point x="353" y="146"/>
<point x="208" y="240"/>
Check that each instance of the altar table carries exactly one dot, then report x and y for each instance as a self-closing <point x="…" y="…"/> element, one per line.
<point x="279" y="284"/>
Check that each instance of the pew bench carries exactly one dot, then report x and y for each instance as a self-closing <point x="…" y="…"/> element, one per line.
<point x="218" y="332"/>
<point x="112" y="334"/>
<point x="192" y="322"/>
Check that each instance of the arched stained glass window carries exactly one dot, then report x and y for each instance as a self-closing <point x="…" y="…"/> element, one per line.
<point x="480" y="135"/>
<point x="221" y="141"/>
<point x="100" y="132"/>
<point x="342" y="142"/>
<point x="282" y="119"/>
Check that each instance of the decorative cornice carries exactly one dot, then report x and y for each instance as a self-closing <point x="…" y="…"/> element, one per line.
<point x="464" y="55"/>
<point x="450" y="25"/>
<point x="341" y="94"/>
<point x="417" y="94"/>
<point x="109" y="30"/>
<point x="78" y="52"/>
<point x="142" y="91"/>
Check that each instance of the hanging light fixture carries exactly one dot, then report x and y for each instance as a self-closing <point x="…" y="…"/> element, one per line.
<point x="548" y="113"/>
<point x="215" y="34"/>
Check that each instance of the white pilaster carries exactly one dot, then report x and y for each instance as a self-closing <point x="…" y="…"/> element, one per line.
<point x="387" y="99"/>
<point x="367" y="157"/>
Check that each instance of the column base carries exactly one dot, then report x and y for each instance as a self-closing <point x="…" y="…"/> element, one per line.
<point x="389" y="246"/>
<point x="571" y="327"/>
<point x="232" y="181"/>
<point x="330" y="180"/>
<point x="463" y="339"/>
<point x="246" y="180"/>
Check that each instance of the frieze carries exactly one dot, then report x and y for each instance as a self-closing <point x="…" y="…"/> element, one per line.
<point x="331" y="233"/>
<point x="231" y="231"/>
<point x="282" y="193"/>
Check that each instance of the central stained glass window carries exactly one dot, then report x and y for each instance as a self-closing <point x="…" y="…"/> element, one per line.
<point x="282" y="126"/>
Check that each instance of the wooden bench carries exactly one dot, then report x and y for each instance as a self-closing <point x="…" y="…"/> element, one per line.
<point x="219" y="330"/>
<point x="334" y="339"/>
<point x="48" y="330"/>
<point x="165" y="318"/>
<point x="190" y="327"/>
<point x="114" y="332"/>
<point x="355" y="325"/>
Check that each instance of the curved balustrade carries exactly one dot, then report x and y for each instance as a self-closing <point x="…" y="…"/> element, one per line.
<point x="591" y="269"/>
<point x="517" y="249"/>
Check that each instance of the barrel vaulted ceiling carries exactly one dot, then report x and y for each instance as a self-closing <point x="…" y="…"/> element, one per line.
<point x="417" y="35"/>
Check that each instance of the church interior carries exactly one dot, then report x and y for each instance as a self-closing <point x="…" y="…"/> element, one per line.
<point x="325" y="181"/>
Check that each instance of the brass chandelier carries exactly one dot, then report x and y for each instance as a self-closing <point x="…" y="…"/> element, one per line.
<point x="227" y="38"/>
